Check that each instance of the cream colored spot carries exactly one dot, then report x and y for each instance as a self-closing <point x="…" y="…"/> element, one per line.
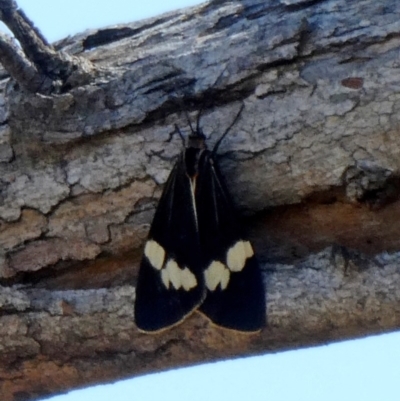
<point x="236" y="256"/>
<point x="216" y="274"/>
<point x="188" y="279"/>
<point x="248" y="249"/>
<point x="179" y="278"/>
<point x="155" y="254"/>
<point x="174" y="273"/>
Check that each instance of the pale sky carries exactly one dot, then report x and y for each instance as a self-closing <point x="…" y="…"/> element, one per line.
<point x="367" y="369"/>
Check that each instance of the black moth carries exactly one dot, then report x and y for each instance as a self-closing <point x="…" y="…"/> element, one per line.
<point x="196" y="257"/>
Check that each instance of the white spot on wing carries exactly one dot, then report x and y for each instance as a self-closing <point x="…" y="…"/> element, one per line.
<point x="188" y="279"/>
<point x="236" y="256"/>
<point x="179" y="278"/>
<point x="248" y="249"/>
<point x="219" y="274"/>
<point x="155" y="253"/>
<point x="216" y="274"/>
<point x="174" y="273"/>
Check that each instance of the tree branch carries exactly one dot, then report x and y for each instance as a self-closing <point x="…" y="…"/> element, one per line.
<point x="59" y="67"/>
<point x="20" y="68"/>
<point x="314" y="161"/>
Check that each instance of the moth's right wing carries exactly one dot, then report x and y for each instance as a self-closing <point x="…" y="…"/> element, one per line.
<point x="170" y="283"/>
<point x="235" y="291"/>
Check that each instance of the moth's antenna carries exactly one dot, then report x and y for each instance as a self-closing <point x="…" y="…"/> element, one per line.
<point x="198" y="130"/>
<point x="198" y="119"/>
<point x="214" y="151"/>
<point x="183" y="108"/>
<point x="188" y="120"/>
<point x="180" y="134"/>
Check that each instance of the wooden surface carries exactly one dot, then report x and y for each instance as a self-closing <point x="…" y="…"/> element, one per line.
<point x="313" y="166"/>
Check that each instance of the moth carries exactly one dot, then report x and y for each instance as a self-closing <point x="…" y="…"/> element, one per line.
<point x="196" y="257"/>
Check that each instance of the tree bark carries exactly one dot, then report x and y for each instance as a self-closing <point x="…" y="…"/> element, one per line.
<point x="313" y="164"/>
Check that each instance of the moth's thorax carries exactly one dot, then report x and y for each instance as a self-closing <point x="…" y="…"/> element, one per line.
<point x="194" y="153"/>
<point x="196" y="141"/>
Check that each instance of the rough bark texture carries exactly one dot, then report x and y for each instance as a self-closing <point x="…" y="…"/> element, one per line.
<point x="313" y="164"/>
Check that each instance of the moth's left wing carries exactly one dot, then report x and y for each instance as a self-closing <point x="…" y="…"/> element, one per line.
<point x="170" y="283"/>
<point x="235" y="296"/>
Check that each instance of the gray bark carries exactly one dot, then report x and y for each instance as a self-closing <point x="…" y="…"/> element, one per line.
<point x="313" y="164"/>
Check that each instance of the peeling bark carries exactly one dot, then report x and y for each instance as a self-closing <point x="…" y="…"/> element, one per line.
<point x="313" y="164"/>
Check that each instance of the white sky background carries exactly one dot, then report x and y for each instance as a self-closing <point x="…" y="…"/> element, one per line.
<point x="367" y="370"/>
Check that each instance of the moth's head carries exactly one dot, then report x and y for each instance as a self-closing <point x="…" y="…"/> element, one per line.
<point x="197" y="140"/>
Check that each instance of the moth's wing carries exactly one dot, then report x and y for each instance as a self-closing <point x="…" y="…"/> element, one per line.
<point x="170" y="283"/>
<point x="235" y="292"/>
